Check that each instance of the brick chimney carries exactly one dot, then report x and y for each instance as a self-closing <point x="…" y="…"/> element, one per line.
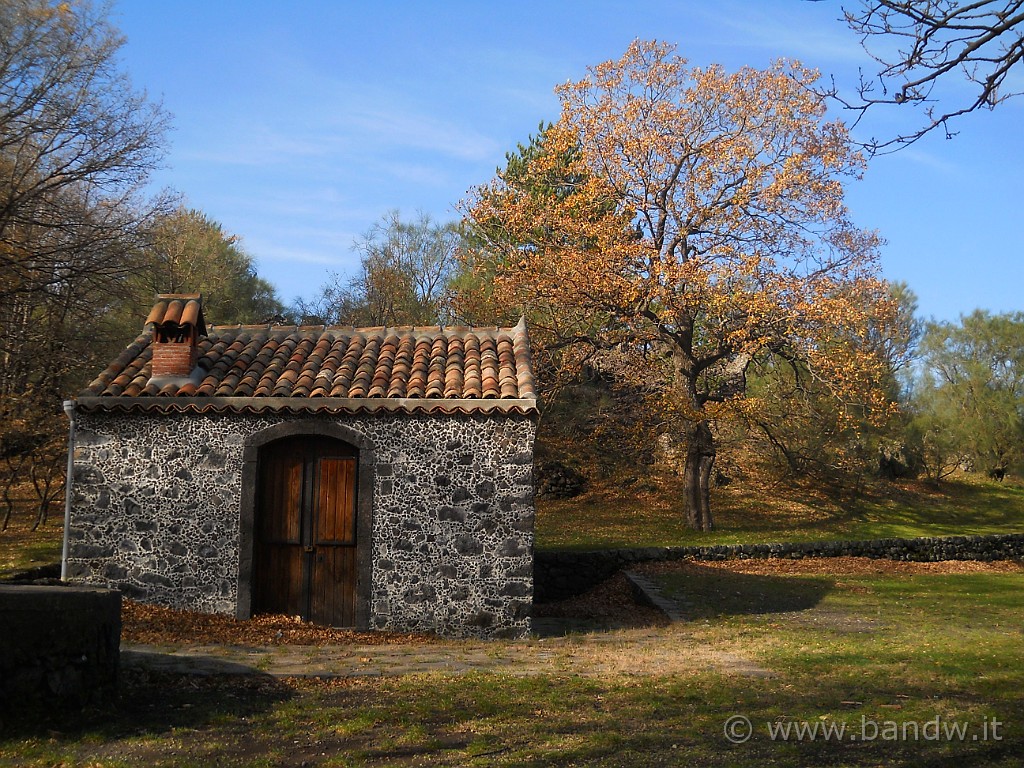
<point x="177" y="323"/>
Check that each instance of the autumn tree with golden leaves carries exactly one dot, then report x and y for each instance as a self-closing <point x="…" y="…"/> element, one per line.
<point x="692" y="220"/>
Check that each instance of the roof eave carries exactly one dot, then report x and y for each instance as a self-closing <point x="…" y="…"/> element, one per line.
<point x="326" y="405"/>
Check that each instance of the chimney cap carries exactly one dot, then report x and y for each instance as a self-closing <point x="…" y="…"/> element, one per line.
<point x="177" y="310"/>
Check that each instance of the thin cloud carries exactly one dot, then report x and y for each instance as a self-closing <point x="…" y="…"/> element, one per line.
<point x="784" y="35"/>
<point x="417" y="174"/>
<point x="265" y="250"/>
<point x="928" y="160"/>
<point x="295" y="202"/>
<point x="358" y="134"/>
<point x="261" y="146"/>
<point x="408" y="129"/>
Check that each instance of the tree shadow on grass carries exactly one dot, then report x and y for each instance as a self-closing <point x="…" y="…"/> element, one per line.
<point x="706" y="592"/>
<point x="154" y="702"/>
<point x="700" y="591"/>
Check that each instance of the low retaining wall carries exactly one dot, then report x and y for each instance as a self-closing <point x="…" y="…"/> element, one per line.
<point x="559" y="574"/>
<point x="61" y="646"/>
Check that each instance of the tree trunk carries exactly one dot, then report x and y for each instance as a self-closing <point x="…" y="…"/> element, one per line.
<point x="700" y="458"/>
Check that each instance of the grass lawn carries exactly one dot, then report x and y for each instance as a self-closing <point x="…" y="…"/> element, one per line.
<point x="864" y="654"/>
<point x="646" y="514"/>
<point x="22" y="548"/>
<point x="862" y="651"/>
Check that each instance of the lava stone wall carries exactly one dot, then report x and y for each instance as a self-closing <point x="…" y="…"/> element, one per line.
<point x="61" y="647"/>
<point x="559" y="574"/>
<point x="157" y="514"/>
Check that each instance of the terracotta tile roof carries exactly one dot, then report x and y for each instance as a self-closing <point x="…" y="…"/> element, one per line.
<point x="259" y="368"/>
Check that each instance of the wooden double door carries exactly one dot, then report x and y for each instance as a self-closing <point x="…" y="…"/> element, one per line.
<point x="305" y="543"/>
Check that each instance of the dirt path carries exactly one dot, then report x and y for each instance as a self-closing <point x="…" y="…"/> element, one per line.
<point x="603" y="632"/>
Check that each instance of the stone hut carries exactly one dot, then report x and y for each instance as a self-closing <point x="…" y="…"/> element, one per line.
<point x="378" y="478"/>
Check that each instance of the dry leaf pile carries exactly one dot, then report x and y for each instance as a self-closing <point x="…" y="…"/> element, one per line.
<point x="157" y="625"/>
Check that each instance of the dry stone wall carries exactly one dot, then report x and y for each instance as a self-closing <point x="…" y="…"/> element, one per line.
<point x="562" y="573"/>
<point x="61" y="647"/>
<point x="157" y="514"/>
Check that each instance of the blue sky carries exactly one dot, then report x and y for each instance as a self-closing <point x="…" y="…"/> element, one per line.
<point x="298" y="125"/>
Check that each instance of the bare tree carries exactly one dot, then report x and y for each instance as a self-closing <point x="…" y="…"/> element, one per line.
<point x="76" y="145"/>
<point x="70" y="124"/>
<point x="404" y="276"/>
<point x="186" y="251"/>
<point x="921" y="45"/>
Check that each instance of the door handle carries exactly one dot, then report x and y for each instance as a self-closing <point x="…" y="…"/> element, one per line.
<point x="309" y="549"/>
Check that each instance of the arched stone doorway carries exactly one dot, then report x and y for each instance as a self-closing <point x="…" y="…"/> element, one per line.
<point x="306" y="524"/>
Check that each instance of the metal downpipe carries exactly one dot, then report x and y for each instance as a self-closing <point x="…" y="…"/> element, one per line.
<point x="69" y="409"/>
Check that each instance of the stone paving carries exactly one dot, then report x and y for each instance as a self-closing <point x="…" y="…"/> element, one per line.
<point x="648" y="651"/>
<point x="651" y="594"/>
<point x="558" y="647"/>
